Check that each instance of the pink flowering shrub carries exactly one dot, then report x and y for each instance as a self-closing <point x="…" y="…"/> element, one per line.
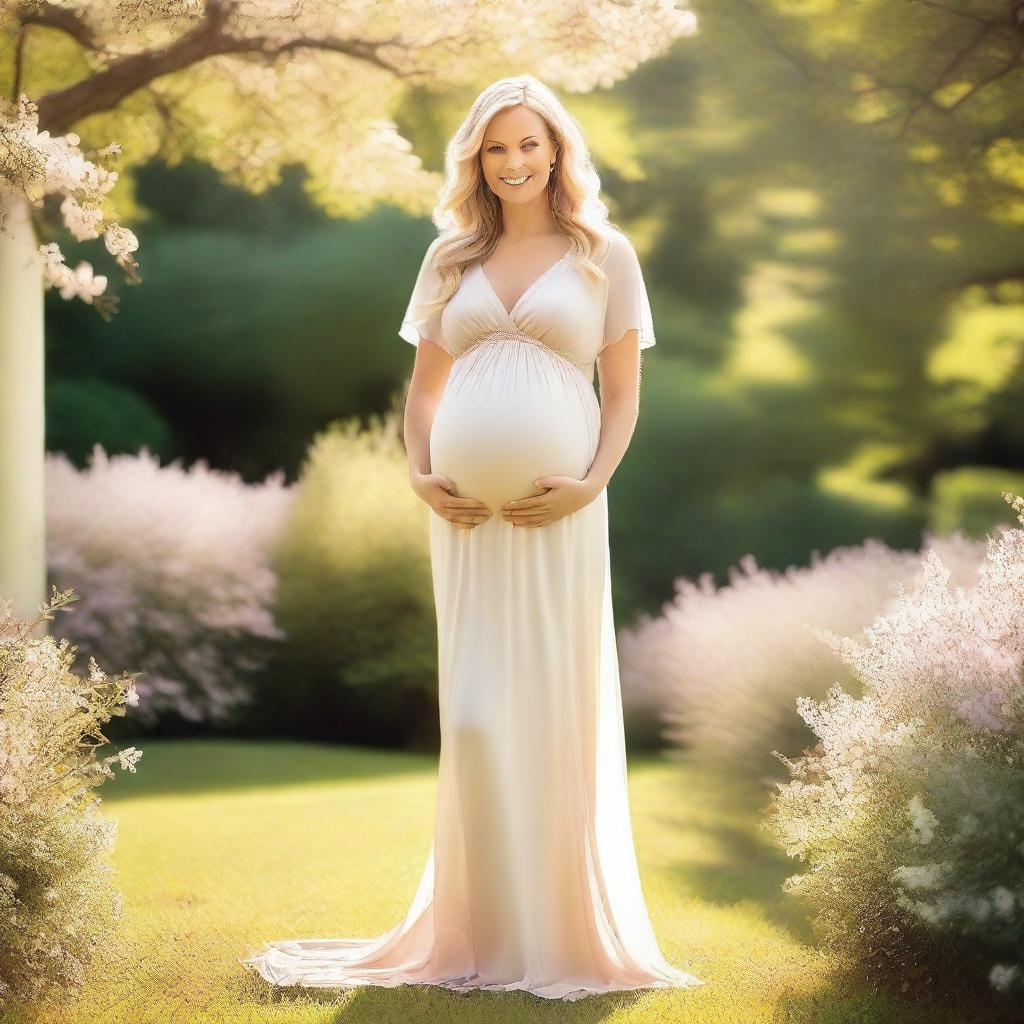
<point x="717" y="674"/>
<point x="909" y="811"/>
<point x="57" y="903"/>
<point x="173" y="568"/>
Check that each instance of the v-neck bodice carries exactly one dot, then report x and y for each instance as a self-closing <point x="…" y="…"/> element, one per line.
<point x="562" y="309"/>
<point x="538" y="280"/>
<point x="570" y="308"/>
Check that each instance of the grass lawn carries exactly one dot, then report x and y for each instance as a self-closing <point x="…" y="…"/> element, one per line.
<point x="225" y="845"/>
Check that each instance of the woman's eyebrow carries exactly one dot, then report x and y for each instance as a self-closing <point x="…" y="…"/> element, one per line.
<point x="521" y="140"/>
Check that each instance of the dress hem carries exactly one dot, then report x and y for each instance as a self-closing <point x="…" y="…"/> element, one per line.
<point x="260" y="964"/>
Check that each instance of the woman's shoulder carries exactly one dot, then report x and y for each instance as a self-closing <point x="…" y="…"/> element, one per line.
<point x="430" y="256"/>
<point x="613" y="246"/>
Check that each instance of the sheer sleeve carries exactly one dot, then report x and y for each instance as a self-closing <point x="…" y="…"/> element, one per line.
<point x="417" y="323"/>
<point x="628" y="304"/>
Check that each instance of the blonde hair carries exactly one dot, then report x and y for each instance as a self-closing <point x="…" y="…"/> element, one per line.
<point x="468" y="213"/>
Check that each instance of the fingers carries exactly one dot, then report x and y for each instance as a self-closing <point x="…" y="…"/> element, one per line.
<point x="513" y="511"/>
<point x="532" y="511"/>
<point x="453" y="502"/>
<point x="525" y="520"/>
<point x="465" y="513"/>
<point x="527" y="510"/>
<point x="474" y="520"/>
<point x="470" y="508"/>
<point x="467" y="520"/>
<point x="533" y="503"/>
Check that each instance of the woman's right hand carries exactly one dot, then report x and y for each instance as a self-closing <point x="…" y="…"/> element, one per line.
<point x="436" y="490"/>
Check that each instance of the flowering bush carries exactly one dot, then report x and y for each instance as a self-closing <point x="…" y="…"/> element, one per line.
<point x="35" y="164"/>
<point x="909" y="812"/>
<point x="56" y="898"/>
<point x="718" y="673"/>
<point x="174" y="565"/>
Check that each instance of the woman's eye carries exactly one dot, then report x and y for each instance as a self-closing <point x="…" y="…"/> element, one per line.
<point x="529" y="145"/>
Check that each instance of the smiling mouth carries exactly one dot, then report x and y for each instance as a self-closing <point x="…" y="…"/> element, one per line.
<point x="517" y="182"/>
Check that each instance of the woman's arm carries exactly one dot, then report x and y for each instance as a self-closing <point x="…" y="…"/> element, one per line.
<point x="429" y="377"/>
<point x="618" y="371"/>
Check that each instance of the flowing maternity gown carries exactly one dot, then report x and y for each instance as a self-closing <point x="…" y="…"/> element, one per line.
<point x="531" y="882"/>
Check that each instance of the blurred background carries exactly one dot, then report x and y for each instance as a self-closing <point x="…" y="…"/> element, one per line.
<point x="835" y="269"/>
<point x="827" y="200"/>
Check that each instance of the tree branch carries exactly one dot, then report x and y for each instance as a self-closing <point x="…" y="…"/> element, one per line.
<point x="61" y="18"/>
<point x="1007" y="68"/>
<point x="19" y="61"/>
<point x="59" y="110"/>
<point x="952" y="11"/>
<point x="995" y="277"/>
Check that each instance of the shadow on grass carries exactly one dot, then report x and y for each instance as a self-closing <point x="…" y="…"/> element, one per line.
<point x="747" y="867"/>
<point x="846" y="997"/>
<point x="195" y="767"/>
<point x="199" y="766"/>
<point x="410" y="1004"/>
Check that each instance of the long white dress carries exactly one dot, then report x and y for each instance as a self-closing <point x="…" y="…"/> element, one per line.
<point x="531" y="882"/>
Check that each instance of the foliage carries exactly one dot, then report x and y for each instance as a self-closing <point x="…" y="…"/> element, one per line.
<point x="246" y="346"/>
<point x="837" y="254"/>
<point x="174" y="568"/>
<point x="721" y="668"/>
<point x="909" y="811"/>
<point x="211" y="81"/>
<point x="963" y="499"/>
<point x="89" y="411"/>
<point x="356" y="597"/>
<point x="56" y="899"/>
<point x="711" y="476"/>
<point x="33" y="165"/>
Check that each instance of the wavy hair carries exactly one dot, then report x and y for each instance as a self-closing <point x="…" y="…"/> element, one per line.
<point x="468" y="213"/>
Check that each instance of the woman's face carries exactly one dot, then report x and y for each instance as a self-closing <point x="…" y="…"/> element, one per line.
<point x="516" y="145"/>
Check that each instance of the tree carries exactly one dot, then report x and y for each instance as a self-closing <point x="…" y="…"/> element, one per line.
<point x="248" y="86"/>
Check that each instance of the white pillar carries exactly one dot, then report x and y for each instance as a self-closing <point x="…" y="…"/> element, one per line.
<point x="22" y="412"/>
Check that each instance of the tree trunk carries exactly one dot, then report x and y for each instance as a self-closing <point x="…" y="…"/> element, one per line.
<point x="22" y="412"/>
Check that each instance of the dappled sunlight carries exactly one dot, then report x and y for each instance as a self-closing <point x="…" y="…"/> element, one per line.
<point x="208" y="875"/>
<point x="858" y="479"/>
<point x="982" y="349"/>
<point x="775" y="300"/>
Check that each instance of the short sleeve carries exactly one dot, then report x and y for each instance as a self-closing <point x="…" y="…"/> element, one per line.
<point x="417" y="322"/>
<point x="628" y="303"/>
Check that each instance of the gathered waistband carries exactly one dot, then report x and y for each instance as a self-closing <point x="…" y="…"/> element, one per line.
<point x="515" y="334"/>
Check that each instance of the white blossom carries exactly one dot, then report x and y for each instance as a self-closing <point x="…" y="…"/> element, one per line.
<point x="943" y="670"/>
<point x="53" y="838"/>
<point x="921" y="876"/>
<point x="1002" y="976"/>
<point x="1004" y="901"/>
<point x="922" y="820"/>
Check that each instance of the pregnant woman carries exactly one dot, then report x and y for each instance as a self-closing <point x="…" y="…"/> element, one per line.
<point x="531" y="882"/>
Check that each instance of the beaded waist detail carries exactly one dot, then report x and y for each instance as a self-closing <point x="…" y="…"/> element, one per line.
<point x="515" y="334"/>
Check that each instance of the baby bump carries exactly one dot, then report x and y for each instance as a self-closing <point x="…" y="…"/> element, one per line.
<point x="513" y="411"/>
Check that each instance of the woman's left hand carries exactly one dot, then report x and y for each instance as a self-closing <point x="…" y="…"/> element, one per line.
<point x="564" y="496"/>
